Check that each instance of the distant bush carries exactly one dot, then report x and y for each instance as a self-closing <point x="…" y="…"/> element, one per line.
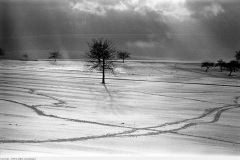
<point x="207" y="65"/>
<point x="2" y="52"/>
<point x="25" y="56"/>
<point x="54" y="55"/>
<point x="123" y="55"/>
<point x="221" y="64"/>
<point x="233" y="66"/>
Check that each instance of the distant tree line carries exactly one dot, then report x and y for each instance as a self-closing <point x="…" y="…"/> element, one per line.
<point x="231" y="66"/>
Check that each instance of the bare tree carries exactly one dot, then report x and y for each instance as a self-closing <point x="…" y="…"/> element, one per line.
<point x="100" y="56"/>
<point x="237" y="56"/>
<point x="25" y="56"/>
<point x="123" y="55"/>
<point x="207" y="65"/>
<point x="2" y="52"/>
<point x="54" y="55"/>
<point x="221" y="64"/>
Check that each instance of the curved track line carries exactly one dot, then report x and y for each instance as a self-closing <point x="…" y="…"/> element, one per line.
<point x="208" y="138"/>
<point x="68" y="139"/>
<point x="206" y="113"/>
<point x="41" y="113"/>
<point x="175" y="131"/>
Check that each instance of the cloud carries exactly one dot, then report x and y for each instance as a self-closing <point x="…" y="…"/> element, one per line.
<point x="205" y="9"/>
<point x="167" y="8"/>
<point x="120" y="6"/>
<point x="91" y="7"/>
<point x="142" y="44"/>
<point x="149" y="41"/>
<point x="213" y="10"/>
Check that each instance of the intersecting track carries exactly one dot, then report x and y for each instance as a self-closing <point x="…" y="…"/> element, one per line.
<point x="171" y="128"/>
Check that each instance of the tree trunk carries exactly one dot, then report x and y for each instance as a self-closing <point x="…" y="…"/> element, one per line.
<point x="230" y="72"/>
<point x="123" y="60"/>
<point x="221" y="68"/>
<point x="207" y="69"/>
<point x="103" y="71"/>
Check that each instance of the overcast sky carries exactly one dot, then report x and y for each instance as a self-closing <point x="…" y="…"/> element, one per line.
<point x="149" y="29"/>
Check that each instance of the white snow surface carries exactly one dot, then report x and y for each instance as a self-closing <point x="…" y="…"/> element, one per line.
<point x="145" y="108"/>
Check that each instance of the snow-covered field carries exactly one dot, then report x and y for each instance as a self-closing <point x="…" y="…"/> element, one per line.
<point x="145" y="108"/>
